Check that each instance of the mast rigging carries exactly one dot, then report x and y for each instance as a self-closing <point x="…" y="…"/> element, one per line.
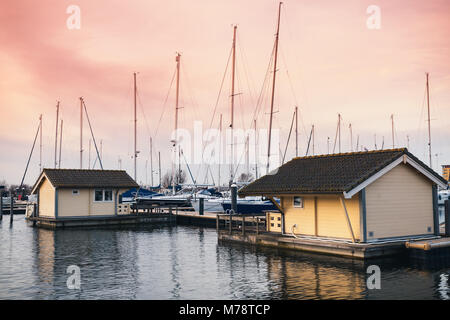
<point x="277" y="36"/>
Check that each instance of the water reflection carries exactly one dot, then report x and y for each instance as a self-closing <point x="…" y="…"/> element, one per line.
<point x="107" y="260"/>
<point x="179" y="262"/>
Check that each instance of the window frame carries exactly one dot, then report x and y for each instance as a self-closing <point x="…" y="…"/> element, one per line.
<point x="103" y="197"/>
<point x="301" y="206"/>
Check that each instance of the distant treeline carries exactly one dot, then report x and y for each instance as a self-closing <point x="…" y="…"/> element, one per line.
<point x="14" y="188"/>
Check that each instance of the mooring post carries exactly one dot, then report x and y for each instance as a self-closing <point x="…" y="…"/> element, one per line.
<point x="217" y="222"/>
<point x="234" y="198"/>
<point x="231" y="221"/>
<point x="11" y="209"/>
<point x="1" y="205"/>
<point x="201" y="205"/>
<point x="243" y="225"/>
<point x="257" y="225"/>
<point x="447" y="218"/>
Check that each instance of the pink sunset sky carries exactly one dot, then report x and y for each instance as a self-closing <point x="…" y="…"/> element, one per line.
<point x="330" y="62"/>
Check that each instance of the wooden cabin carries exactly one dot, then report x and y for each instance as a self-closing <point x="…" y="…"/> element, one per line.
<point x="73" y="193"/>
<point x="360" y="196"/>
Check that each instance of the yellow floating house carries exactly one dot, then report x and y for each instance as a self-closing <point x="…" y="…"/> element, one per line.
<point x="70" y="194"/>
<point x="361" y="196"/>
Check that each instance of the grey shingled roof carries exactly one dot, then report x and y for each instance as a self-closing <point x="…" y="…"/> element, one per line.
<point x="83" y="178"/>
<point x="335" y="173"/>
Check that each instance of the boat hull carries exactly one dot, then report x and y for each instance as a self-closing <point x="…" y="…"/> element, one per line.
<point x="250" y="208"/>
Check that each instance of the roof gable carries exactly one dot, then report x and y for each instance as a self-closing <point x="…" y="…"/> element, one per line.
<point x="82" y="178"/>
<point x="336" y="173"/>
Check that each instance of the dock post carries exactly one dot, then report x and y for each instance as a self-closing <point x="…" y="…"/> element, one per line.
<point x="231" y="222"/>
<point x="1" y="206"/>
<point x="201" y="205"/>
<point x="257" y="225"/>
<point x="11" y="209"/>
<point x="234" y="198"/>
<point x="447" y="218"/>
<point x="217" y="223"/>
<point x="243" y="225"/>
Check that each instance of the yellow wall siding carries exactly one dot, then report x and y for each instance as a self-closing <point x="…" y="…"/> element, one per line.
<point x="399" y="204"/>
<point x="102" y="208"/>
<point x="303" y="217"/>
<point x="331" y="218"/>
<point x="46" y="199"/>
<point x="73" y="205"/>
<point x="83" y="204"/>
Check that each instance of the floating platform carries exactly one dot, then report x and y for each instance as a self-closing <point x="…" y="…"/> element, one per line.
<point x="91" y="221"/>
<point x="319" y="245"/>
<point x="430" y="250"/>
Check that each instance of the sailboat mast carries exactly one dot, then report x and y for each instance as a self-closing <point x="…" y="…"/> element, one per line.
<point x="328" y="145"/>
<point x="101" y="151"/>
<point x="159" y="162"/>
<point x="151" y="161"/>
<point x="247" y="156"/>
<point x="81" y="133"/>
<point x="220" y="150"/>
<point x="296" y="131"/>
<point x="429" y="122"/>
<point x="40" y="143"/>
<point x="56" y="134"/>
<point x="392" y="129"/>
<point x="89" y="155"/>
<point x="339" y="127"/>
<point x="277" y="36"/>
<point x="60" y="144"/>
<point x="233" y="73"/>
<point x="135" y="128"/>
<point x="256" y="152"/>
<point x="178" y="60"/>
<point x="351" y="137"/>
<point x="312" y="139"/>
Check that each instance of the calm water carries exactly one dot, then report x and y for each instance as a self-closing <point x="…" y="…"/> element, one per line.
<point x="182" y="262"/>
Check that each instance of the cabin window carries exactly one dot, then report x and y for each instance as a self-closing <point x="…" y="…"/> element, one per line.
<point x="108" y="195"/>
<point x="298" y="202"/>
<point x="98" y="195"/>
<point x="75" y="192"/>
<point x="103" y="195"/>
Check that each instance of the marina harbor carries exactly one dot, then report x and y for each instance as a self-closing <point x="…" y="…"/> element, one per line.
<point x="227" y="153"/>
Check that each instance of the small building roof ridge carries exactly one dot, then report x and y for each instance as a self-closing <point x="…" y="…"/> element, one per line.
<point x="404" y="150"/>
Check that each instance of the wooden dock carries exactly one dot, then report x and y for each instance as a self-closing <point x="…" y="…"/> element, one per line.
<point x="91" y="221"/>
<point x="323" y="246"/>
<point x="211" y="219"/>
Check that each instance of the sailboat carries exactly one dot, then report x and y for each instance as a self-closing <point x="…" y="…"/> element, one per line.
<point x="256" y="205"/>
